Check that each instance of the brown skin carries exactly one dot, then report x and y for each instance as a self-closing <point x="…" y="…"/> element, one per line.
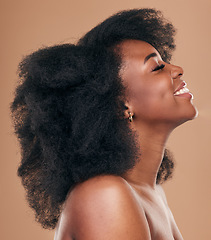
<point x="133" y="206"/>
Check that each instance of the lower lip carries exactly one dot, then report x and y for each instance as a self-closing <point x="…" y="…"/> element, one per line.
<point x="185" y="95"/>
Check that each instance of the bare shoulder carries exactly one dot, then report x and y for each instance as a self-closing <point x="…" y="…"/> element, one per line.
<point x="99" y="183"/>
<point x="175" y="229"/>
<point x="162" y="193"/>
<point x="101" y="191"/>
<point x="105" y="207"/>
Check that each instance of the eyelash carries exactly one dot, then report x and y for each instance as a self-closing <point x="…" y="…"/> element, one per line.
<point x="159" y="67"/>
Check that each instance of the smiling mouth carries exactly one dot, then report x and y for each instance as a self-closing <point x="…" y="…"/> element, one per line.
<point x="182" y="91"/>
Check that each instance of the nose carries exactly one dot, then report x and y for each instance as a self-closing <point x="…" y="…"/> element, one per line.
<point x="176" y="71"/>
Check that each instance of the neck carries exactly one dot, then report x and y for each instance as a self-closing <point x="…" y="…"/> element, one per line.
<point x="152" y="140"/>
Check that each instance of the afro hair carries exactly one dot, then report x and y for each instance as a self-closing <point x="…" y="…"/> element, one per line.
<point x="68" y="111"/>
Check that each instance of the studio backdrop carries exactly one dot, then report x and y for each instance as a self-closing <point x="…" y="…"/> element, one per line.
<point x="27" y="25"/>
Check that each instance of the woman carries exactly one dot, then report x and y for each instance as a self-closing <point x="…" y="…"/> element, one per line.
<point x="93" y="120"/>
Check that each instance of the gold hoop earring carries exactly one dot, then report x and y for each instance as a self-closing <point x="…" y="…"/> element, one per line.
<point x="130" y="117"/>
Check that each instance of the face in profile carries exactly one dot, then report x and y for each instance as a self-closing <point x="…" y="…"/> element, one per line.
<point x="156" y="90"/>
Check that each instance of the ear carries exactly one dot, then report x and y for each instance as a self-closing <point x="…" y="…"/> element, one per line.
<point x="128" y="109"/>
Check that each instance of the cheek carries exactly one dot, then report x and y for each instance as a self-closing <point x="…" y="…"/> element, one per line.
<point x="150" y="95"/>
<point x="144" y="102"/>
<point x="152" y="100"/>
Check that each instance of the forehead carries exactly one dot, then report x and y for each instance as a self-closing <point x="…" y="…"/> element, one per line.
<point x="132" y="49"/>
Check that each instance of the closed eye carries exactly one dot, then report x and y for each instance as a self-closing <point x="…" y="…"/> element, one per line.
<point x="159" y="67"/>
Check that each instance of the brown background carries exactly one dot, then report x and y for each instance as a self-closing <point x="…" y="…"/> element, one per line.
<point x="27" y="25"/>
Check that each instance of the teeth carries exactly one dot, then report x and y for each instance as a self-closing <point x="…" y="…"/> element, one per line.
<point x="181" y="91"/>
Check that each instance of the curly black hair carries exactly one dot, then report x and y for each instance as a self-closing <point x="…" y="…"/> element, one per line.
<point x="68" y="111"/>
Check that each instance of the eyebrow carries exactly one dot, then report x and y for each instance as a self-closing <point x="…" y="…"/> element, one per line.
<point x="149" y="56"/>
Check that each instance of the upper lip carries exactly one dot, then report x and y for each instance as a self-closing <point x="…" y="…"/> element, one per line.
<point x="180" y="86"/>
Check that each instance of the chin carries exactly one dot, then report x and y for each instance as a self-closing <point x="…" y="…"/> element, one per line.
<point x="188" y="115"/>
<point x="193" y="113"/>
<point x="196" y="114"/>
